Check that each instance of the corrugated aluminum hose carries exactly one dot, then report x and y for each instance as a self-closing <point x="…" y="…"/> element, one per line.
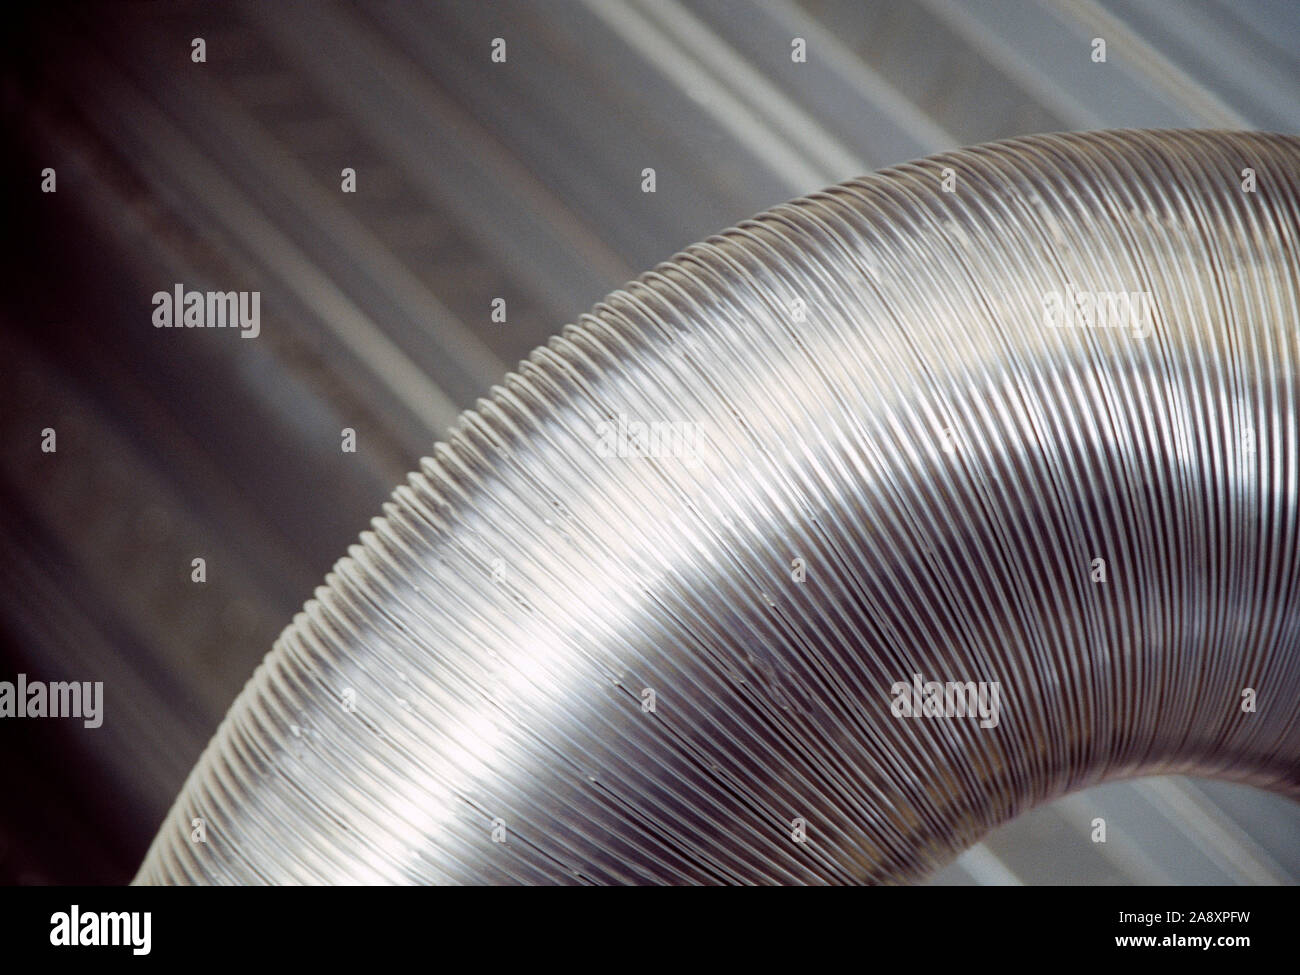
<point x="817" y="552"/>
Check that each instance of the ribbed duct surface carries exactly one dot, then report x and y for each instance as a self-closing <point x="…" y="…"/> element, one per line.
<point x="1022" y="416"/>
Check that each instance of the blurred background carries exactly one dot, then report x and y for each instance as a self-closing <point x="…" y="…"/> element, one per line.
<point x="475" y="180"/>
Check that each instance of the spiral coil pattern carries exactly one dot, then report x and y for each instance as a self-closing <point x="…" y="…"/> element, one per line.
<point x="644" y="617"/>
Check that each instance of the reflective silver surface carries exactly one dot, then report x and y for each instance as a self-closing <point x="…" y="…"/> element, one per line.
<point x="864" y="381"/>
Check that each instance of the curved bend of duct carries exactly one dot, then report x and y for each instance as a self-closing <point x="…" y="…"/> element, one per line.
<point x="820" y="550"/>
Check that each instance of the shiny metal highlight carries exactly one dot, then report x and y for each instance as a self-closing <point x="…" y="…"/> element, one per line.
<point x="874" y="454"/>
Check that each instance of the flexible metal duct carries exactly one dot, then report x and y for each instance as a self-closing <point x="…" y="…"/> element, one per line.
<point x="904" y="430"/>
